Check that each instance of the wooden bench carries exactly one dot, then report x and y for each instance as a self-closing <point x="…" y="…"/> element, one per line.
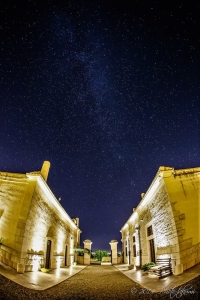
<point x="162" y="268"/>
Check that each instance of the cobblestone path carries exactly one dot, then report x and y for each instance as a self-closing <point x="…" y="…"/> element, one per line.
<point x="93" y="282"/>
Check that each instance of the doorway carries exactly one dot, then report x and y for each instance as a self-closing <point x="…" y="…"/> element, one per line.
<point x="66" y="251"/>
<point x="152" y="250"/>
<point x="48" y="255"/>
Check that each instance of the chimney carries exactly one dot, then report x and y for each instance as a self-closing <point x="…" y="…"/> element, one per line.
<point x="45" y="169"/>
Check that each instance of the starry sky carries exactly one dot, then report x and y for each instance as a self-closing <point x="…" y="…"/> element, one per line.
<point x="107" y="91"/>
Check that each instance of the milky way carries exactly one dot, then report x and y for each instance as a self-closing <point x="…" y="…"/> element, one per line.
<point x="107" y="93"/>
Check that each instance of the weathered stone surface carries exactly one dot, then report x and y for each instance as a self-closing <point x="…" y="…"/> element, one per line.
<point x="30" y="215"/>
<point x="173" y="211"/>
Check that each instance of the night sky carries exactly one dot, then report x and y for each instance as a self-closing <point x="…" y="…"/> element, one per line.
<point x="107" y="91"/>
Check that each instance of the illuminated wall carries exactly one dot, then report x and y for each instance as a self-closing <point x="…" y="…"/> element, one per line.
<point x="30" y="216"/>
<point x="184" y="192"/>
<point x="47" y="223"/>
<point x="171" y="207"/>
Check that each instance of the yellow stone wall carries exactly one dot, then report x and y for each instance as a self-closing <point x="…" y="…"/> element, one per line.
<point x="13" y="207"/>
<point x="172" y="206"/>
<point x="158" y="212"/>
<point x="47" y="222"/>
<point x="15" y="198"/>
<point x="29" y="215"/>
<point x="184" y="193"/>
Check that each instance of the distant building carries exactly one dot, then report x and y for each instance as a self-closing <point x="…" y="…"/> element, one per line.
<point x="35" y="230"/>
<point x="166" y="223"/>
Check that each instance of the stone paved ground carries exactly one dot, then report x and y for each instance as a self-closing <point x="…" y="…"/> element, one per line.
<point x="96" y="282"/>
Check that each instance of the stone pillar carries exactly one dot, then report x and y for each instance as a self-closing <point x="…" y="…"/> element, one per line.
<point x="45" y="169"/>
<point x="87" y="245"/>
<point x="113" y="245"/>
<point x="138" y="260"/>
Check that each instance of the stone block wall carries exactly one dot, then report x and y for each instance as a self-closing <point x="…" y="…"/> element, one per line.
<point x="12" y="191"/>
<point x="27" y="220"/>
<point x="45" y="224"/>
<point x="159" y="211"/>
<point x="34" y="262"/>
<point x="189" y="253"/>
<point x="80" y="260"/>
<point x="172" y="206"/>
<point x="10" y="257"/>
<point x="190" y="256"/>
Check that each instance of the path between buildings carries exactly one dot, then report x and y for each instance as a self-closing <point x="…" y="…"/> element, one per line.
<point x="93" y="282"/>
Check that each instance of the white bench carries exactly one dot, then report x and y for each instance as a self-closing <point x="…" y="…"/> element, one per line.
<point x="162" y="268"/>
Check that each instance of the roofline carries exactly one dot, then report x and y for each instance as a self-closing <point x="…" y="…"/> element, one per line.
<point x="51" y="197"/>
<point x="155" y="182"/>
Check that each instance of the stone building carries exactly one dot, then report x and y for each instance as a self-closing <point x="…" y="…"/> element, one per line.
<point x="35" y="230"/>
<point x="166" y="222"/>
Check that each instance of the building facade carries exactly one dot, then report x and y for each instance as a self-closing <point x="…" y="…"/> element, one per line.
<point x="35" y="230"/>
<point x="166" y="222"/>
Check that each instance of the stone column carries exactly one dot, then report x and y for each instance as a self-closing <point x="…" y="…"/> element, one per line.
<point x="123" y="240"/>
<point x="139" y="250"/>
<point x="87" y="245"/>
<point x="113" y="245"/>
<point x="131" y="259"/>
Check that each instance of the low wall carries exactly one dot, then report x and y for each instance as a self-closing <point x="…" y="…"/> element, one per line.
<point x="10" y="257"/>
<point x="80" y="260"/>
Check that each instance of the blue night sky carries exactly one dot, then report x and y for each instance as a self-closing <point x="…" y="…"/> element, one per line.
<point x="107" y="91"/>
